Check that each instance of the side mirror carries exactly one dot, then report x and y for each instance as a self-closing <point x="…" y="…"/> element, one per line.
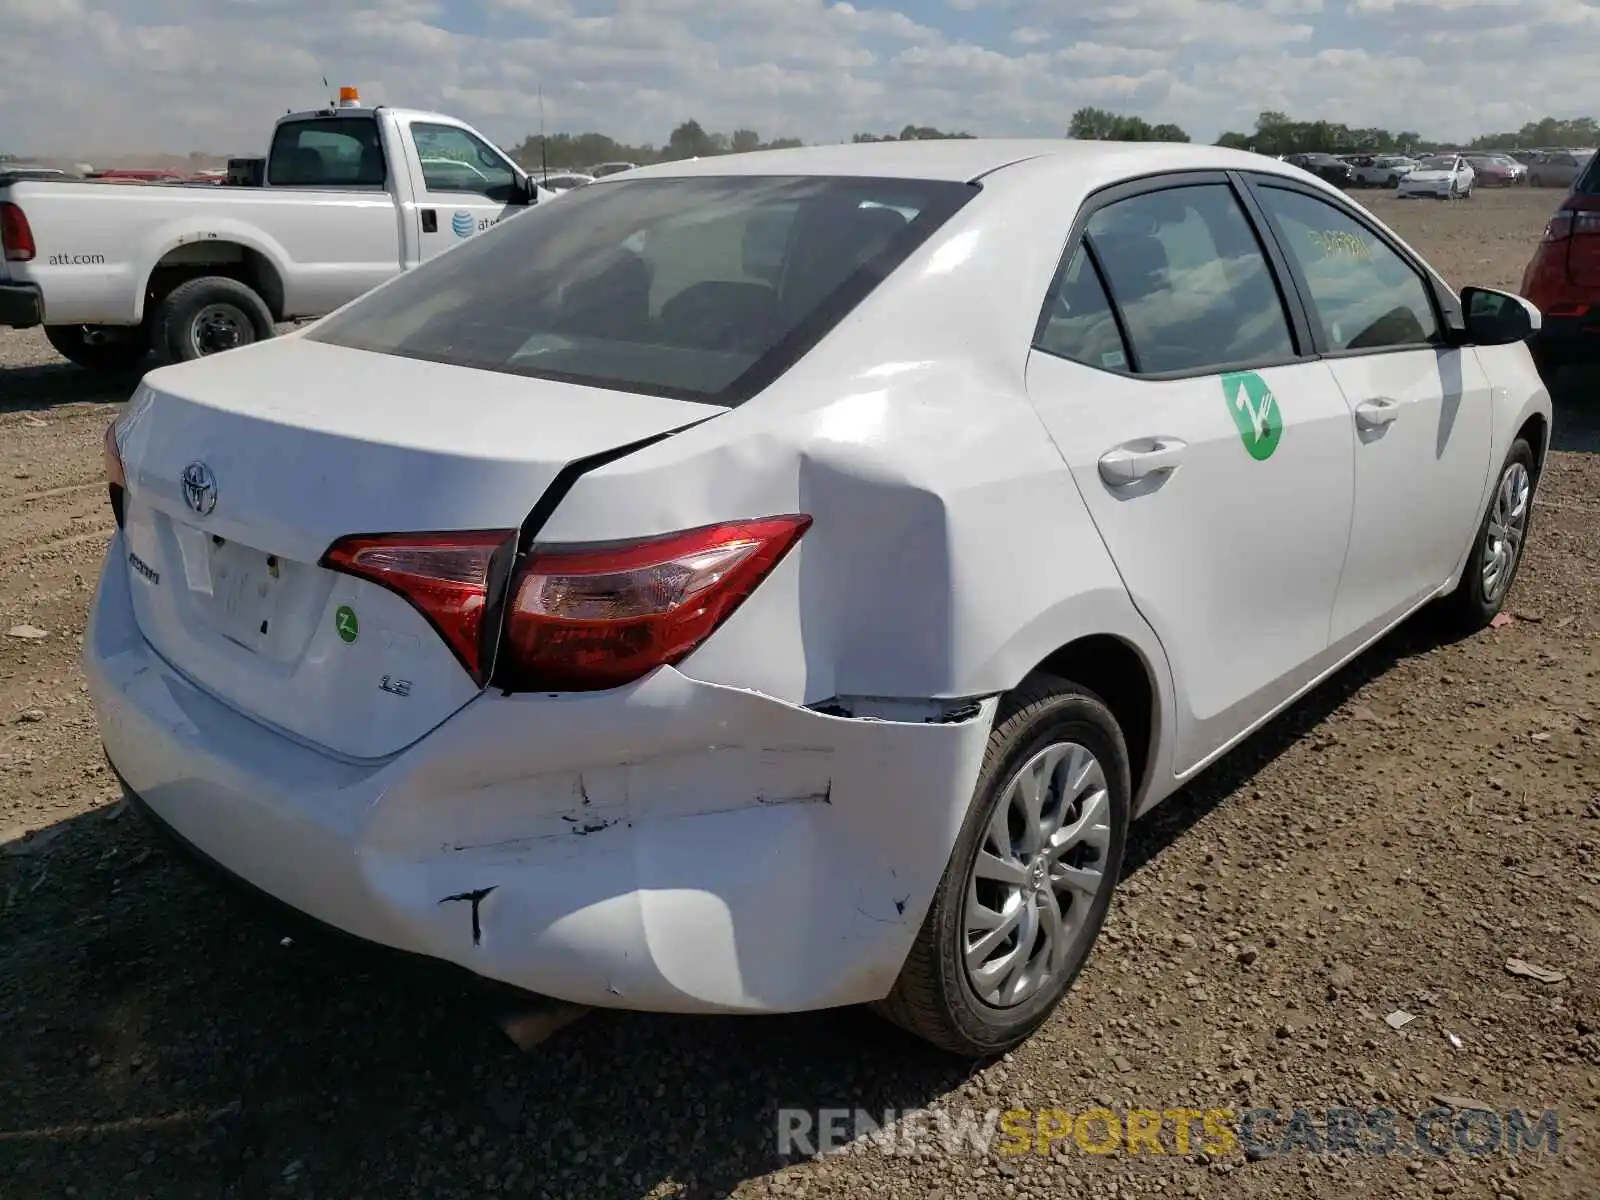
<point x="1496" y="318"/>
<point x="522" y="191"/>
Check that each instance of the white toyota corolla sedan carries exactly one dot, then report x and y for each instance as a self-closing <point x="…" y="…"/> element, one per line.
<point x="775" y="582"/>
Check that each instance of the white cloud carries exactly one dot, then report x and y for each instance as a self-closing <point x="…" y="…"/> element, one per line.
<point x="87" y="76"/>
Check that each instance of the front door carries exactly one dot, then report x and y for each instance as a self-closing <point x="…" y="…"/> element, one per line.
<point x="1420" y="411"/>
<point x="467" y="185"/>
<point x="1215" y="462"/>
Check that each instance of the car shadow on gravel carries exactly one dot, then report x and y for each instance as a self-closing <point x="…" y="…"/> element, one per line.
<point x="33" y="389"/>
<point x="163" y="1035"/>
<point x="1575" y="393"/>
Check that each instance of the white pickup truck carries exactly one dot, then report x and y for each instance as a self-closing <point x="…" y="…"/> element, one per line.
<point x="349" y="196"/>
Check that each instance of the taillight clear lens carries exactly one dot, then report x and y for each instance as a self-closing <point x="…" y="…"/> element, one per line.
<point x="583" y="618"/>
<point x="1559" y="227"/>
<point x="445" y="576"/>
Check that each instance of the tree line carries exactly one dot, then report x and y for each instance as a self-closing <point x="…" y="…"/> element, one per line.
<point x="1274" y="133"/>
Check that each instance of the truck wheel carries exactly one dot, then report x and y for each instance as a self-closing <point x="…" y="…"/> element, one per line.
<point x="100" y="347"/>
<point x="207" y="316"/>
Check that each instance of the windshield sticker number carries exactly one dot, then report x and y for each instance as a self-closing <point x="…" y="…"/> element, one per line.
<point x="1255" y="413"/>
<point x="1335" y="243"/>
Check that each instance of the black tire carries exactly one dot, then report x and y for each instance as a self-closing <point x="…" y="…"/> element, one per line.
<point x="208" y="316"/>
<point x="1393" y="181"/>
<point x="933" y="997"/>
<point x="100" y="348"/>
<point x="1468" y="608"/>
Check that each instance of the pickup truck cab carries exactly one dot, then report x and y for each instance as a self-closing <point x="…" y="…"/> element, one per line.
<point x="349" y="197"/>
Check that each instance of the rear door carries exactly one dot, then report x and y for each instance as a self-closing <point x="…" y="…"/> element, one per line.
<point x="465" y="185"/>
<point x="1214" y="459"/>
<point x="1420" y="411"/>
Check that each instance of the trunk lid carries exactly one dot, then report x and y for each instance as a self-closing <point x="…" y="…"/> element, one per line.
<point x="292" y="444"/>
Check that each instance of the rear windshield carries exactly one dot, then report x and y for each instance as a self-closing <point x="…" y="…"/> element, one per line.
<point x="697" y="288"/>
<point x="332" y="152"/>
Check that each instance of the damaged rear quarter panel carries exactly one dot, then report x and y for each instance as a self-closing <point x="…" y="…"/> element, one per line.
<point x="950" y="551"/>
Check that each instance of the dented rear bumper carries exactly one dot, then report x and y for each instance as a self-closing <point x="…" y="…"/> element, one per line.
<point x="671" y="846"/>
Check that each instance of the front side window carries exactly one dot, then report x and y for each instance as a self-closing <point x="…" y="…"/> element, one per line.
<point x="697" y="288"/>
<point x="1190" y="280"/>
<point x="330" y="152"/>
<point x="1363" y="295"/>
<point x="453" y="160"/>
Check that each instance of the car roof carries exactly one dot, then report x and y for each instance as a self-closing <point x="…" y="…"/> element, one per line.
<point x="958" y="160"/>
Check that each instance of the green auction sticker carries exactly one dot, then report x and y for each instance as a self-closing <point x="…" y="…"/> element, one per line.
<point x="344" y="620"/>
<point x="1255" y="411"/>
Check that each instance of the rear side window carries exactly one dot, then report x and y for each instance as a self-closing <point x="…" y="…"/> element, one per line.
<point x="1190" y="280"/>
<point x="696" y="288"/>
<point x="1363" y="294"/>
<point x="334" y="152"/>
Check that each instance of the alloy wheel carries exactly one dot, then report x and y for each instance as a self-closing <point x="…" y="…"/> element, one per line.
<point x="1508" y="526"/>
<point x="1037" y="872"/>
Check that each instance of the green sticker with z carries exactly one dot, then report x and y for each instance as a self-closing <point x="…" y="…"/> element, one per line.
<point x="1255" y="412"/>
<point x="344" y="620"/>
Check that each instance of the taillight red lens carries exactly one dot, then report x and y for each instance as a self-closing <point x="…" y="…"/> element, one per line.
<point x="15" y="235"/>
<point x="584" y="618"/>
<point x="445" y="576"/>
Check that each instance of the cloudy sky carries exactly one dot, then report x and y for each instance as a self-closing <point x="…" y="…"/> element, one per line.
<point x="83" y="75"/>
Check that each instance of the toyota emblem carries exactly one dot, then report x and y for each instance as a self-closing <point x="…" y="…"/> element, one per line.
<point x="199" y="488"/>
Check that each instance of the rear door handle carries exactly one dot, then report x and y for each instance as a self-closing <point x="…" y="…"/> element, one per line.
<point x="1133" y="461"/>
<point x="1377" y="412"/>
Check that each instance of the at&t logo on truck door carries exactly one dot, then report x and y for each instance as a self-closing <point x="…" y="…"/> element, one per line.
<point x="463" y="225"/>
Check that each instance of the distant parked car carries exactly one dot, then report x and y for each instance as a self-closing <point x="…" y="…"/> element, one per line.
<point x="1440" y="177"/>
<point x="566" y="181"/>
<point x="612" y="168"/>
<point x="1497" y="170"/>
<point x="1381" y="170"/>
<point x="1559" y="169"/>
<point x="1326" y="167"/>
<point x="29" y="171"/>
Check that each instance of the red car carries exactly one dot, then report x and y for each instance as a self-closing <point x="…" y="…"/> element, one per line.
<point x="1563" y="279"/>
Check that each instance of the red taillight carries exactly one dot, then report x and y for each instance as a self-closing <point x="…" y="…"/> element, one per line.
<point x="116" y="475"/>
<point x="584" y="618"/>
<point x="445" y="576"/>
<point x="15" y="235"/>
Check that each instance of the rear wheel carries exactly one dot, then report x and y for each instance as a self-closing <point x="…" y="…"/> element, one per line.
<point x="207" y="316"/>
<point x="1029" y="882"/>
<point x="1497" y="550"/>
<point x="100" y="347"/>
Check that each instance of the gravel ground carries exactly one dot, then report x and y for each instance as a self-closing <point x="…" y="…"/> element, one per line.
<point x="1387" y="844"/>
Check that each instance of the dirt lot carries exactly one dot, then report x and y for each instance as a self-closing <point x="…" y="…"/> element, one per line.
<point x="1387" y="844"/>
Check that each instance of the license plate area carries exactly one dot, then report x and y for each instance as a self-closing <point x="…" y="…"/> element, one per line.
<point x="237" y="590"/>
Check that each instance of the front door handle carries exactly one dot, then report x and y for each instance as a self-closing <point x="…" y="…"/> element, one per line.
<point x="1133" y="461"/>
<point x="430" y="221"/>
<point x="1377" y="412"/>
